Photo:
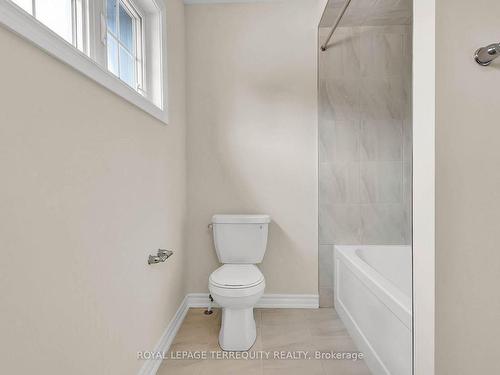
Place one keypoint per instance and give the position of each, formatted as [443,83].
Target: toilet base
[238,331]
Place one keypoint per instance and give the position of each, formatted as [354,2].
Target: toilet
[240,242]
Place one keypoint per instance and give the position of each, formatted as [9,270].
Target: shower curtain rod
[324,46]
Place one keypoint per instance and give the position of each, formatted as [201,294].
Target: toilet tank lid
[241,219]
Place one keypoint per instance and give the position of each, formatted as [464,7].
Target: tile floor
[308,330]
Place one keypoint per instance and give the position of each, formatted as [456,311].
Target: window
[123,37]
[124,42]
[61,16]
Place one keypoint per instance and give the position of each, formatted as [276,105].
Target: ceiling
[368,13]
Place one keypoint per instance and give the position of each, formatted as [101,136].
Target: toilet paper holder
[161,256]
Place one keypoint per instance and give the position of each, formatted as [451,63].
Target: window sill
[23,24]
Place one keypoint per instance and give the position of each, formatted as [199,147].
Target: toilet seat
[236,276]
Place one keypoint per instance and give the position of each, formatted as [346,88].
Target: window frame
[16,19]
[76,26]
[138,52]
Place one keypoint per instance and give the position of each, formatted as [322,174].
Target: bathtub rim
[397,301]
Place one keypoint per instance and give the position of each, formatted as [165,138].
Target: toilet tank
[240,238]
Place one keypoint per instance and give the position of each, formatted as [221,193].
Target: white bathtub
[373,299]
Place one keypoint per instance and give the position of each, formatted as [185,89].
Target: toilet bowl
[240,242]
[236,288]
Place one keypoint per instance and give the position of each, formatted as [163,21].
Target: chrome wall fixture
[485,55]
[324,46]
[161,256]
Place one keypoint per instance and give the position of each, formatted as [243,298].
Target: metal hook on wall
[485,55]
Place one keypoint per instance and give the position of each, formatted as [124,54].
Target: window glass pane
[111,15]
[112,54]
[27,5]
[127,68]
[126,29]
[56,14]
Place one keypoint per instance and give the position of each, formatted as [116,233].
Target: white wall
[467,190]
[90,186]
[252,133]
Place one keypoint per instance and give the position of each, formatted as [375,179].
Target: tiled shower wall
[364,142]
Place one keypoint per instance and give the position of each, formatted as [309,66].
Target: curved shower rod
[324,46]
[485,55]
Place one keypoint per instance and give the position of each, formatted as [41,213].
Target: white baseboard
[289,301]
[268,301]
[151,366]
[199,300]
[283,301]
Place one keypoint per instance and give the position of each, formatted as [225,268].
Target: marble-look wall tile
[382,52]
[382,99]
[339,182]
[369,12]
[407,225]
[365,135]
[365,141]
[407,181]
[407,141]
[346,146]
[326,112]
[326,266]
[339,224]
[407,198]
[326,297]
[339,141]
[406,101]
[326,223]
[343,98]
[383,221]
[381,140]
[326,140]
[381,182]
[343,57]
